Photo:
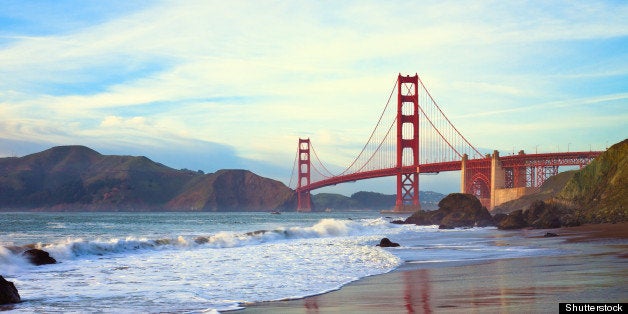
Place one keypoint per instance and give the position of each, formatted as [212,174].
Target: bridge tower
[303,197]
[407,143]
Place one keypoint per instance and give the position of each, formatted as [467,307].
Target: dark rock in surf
[385,242]
[550,235]
[201,240]
[8,292]
[39,257]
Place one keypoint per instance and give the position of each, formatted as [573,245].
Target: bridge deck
[521,160]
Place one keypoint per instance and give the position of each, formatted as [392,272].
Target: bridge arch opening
[407,131]
[480,187]
[407,108]
[408,156]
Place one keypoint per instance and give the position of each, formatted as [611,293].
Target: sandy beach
[592,269]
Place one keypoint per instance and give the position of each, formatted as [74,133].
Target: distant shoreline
[586,273]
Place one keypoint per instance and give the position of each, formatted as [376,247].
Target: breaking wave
[73,248]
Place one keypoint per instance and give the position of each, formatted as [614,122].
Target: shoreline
[593,269]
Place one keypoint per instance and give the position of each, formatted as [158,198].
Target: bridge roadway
[519,160]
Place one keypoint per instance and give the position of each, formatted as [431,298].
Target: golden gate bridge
[415,137]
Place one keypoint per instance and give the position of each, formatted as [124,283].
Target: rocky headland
[77,178]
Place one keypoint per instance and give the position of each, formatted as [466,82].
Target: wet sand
[594,268]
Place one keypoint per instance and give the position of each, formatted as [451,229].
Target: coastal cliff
[599,192]
[77,178]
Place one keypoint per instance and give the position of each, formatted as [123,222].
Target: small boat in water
[275,213]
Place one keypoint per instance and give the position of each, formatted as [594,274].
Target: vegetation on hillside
[599,192]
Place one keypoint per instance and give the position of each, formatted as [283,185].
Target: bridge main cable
[372,134]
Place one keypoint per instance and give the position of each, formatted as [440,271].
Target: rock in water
[454,211]
[385,242]
[8,292]
[39,257]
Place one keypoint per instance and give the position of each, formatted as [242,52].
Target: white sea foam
[10,262]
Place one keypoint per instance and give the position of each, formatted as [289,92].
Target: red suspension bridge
[416,137]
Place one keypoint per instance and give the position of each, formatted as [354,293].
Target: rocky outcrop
[454,211]
[8,292]
[39,257]
[385,242]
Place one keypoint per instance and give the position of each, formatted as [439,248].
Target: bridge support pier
[497,177]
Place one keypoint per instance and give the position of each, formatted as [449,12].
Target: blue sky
[233,84]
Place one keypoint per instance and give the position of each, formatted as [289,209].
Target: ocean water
[215,262]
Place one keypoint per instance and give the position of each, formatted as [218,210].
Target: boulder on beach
[8,292]
[39,257]
[385,242]
[540,215]
[454,211]
[514,220]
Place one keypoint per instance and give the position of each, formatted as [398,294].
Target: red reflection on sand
[311,305]
[420,294]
